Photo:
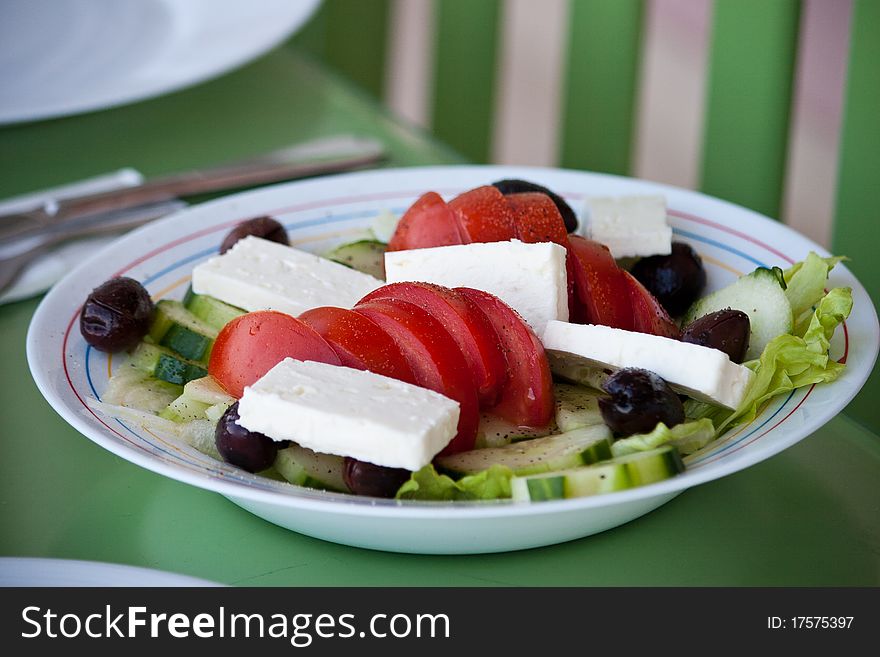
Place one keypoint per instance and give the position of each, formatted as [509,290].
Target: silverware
[16,254]
[321,156]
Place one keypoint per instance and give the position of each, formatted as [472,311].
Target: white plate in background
[38,572]
[62,57]
[322,212]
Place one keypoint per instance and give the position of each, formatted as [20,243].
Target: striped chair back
[774,105]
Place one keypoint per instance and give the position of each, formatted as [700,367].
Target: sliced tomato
[527,399]
[484,215]
[537,219]
[252,344]
[468,326]
[434,357]
[648,315]
[602,291]
[428,222]
[359,342]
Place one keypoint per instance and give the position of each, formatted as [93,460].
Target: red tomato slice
[603,293]
[648,315]
[468,326]
[359,342]
[527,399]
[537,219]
[484,215]
[251,345]
[435,358]
[428,222]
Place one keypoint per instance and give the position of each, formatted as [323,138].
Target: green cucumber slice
[207,390]
[165,365]
[576,407]
[303,467]
[494,431]
[564,450]
[616,474]
[383,225]
[185,409]
[178,329]
[135,388]
[575,370]
[367,256]
[761,296]
[213,312]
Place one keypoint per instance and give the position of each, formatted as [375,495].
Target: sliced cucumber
[216,411]
[135,388]
[178,329]
[576,407]
[604,477]
[213,312]
[207,390]
[201,398]
[367,256]
[574,369]
[165,365]
[564,450]
[383,225]
[761,296]
[199,434]
[185,409]
[496,432]
[303,467]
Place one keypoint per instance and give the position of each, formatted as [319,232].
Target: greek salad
[491,346]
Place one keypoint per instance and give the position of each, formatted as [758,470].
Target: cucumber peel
[621,473]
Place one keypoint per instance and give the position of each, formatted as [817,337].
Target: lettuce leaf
[787,362]
[427,484]
[688,437]
[805,282]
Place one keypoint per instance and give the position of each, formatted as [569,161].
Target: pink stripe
[747,238]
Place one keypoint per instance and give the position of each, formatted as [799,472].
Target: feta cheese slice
[629,225]
[701,372]
[530,278]
[258,274]
[348,412]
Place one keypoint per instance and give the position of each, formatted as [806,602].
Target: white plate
[69,56]
[322,212]
[32,572]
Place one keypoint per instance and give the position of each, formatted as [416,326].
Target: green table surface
[808,516]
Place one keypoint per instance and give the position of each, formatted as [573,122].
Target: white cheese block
[348,412]
[258,274]
[629,225]
[530,278]
[700,372]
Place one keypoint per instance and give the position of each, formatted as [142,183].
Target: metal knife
[321,156]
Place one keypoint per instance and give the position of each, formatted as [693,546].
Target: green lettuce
[427,484]
[688,437]
[787,362]
[805,283]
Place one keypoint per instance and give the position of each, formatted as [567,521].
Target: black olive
[726,330]
[515,186]
[265,227]
[639,400]
[363,478]
[249,450]
[677,279]
[116,315]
